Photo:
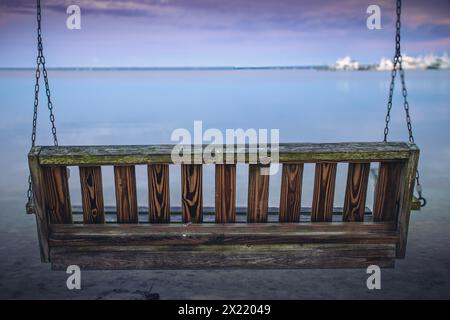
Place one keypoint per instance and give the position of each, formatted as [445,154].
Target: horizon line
[168,67]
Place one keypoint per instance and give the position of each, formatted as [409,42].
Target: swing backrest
[192,236]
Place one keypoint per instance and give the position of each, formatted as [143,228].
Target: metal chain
[40,62]
[398,65]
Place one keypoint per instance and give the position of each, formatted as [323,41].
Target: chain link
[398,67]
[40,63]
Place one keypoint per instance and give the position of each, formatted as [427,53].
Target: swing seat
[192,237]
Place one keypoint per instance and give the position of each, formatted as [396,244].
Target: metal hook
[423,201]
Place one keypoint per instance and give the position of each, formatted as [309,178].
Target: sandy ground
[424,274]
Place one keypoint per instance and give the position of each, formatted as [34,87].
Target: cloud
[256,15]
[213,28]
[103,7]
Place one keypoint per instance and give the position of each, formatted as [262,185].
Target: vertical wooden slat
[158,193]
[92,194]
[323,197]
[225,193]
[42,221]
[191,199]
[126,200]
[405,201]
[258,194]
[291,191]
[57,195]
[387,191]
[356,191]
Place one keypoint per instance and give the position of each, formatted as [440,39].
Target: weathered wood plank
[225,193]
[57,196]
[387,191]
[126,200]
[278,229]
[258,194]
[92,194]
[288,152]
[356,191]
[192,193]
[323,196]
[207,257]
[158,193]
[291,191]
[405,202]
[42,222]
[246,237]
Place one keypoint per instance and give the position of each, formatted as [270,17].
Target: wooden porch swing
[164,237]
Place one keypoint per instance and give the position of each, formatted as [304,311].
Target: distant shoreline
[318,68]
[171,68]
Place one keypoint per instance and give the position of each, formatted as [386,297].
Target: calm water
[145,107]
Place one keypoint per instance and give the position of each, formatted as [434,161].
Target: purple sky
[217,32]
